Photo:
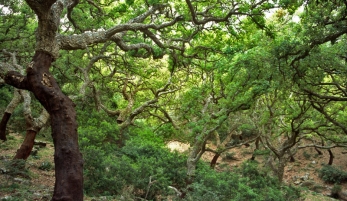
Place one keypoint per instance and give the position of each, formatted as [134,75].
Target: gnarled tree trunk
[67,157]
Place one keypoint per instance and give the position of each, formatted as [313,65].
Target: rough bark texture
[3,125]
[67,157]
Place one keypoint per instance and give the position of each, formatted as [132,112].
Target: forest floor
[302,172]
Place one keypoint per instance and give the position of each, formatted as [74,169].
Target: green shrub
[248,183]
[46,165]
[335,191]
[258,152]
[144,168]
[97,129]
[16,167]
[135,164]
[102,172]
[332,174]
[307,155]
[230,156]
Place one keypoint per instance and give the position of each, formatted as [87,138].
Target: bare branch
[69,11]
[208,18]
[322,147]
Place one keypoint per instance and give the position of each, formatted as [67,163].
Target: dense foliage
[145,169]
[265,74]
[332,174]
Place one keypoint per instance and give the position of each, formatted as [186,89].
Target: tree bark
[3,125]
[25,149]
[331,157]
[8,112]
[214,160]
[318,151]
[33,126]
[280,169]
[67,157]
[256,148]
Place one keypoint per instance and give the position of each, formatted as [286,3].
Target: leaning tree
[141,28]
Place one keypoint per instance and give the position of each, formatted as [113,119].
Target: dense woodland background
[269,77]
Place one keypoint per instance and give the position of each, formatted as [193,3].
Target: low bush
[147,167]
[247,183]
[144,168]
[332,174]
[46,165]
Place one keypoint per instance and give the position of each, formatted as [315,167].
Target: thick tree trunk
[3,125]
[214,160]
[67,157]
[25,149]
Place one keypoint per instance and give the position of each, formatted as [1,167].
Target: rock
[314,162]
[3,170]
[305,177]
[34,152]
[294,178]
[7,197]
[22,181]
[37,194]
[297,182]
[289,168]
[102,198]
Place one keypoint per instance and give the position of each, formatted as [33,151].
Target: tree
[151,28]
[33,126]
[314,61]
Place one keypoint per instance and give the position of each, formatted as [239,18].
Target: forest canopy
[117,80]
